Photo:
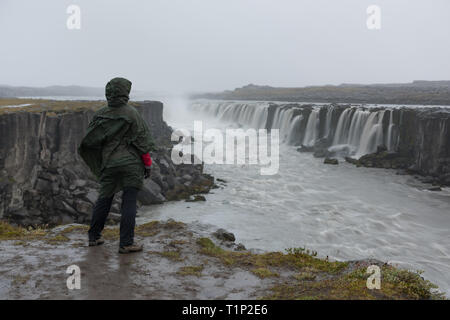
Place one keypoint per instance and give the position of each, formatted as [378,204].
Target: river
[344,212]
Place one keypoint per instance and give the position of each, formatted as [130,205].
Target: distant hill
[10,91]
[416,92]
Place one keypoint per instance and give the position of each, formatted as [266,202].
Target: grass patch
[9,232]
[74,228]
[171,255]
[174,243]
[322,279]
[305,276]
[111,233]
[396,284]
[172,224]
[56,239]
[264,273]
[296,259]
[149,229]
[190,271]
[53,107]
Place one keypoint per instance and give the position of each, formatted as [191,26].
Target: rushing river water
[343,212]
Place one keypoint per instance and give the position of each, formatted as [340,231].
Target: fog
[212,45]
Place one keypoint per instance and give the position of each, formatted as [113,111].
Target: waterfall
[372,135]
[358,130]
[340,134]
[294,129]
[312,128]
[253,115]
[285,121]
[328,121]
[389,143]
[356,127]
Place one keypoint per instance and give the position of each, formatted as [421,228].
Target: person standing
[116,148]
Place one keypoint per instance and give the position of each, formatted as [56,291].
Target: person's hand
[147,172]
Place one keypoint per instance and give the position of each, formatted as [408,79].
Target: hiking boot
[93,243]
[131,248]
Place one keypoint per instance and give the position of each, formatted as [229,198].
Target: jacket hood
[117,92]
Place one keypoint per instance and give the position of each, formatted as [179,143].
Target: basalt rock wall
[44,181]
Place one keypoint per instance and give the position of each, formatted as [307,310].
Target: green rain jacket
[116,139]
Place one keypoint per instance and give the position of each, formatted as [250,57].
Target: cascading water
[288,124]
[341,129]
[357,124]
[329,117]
[281,121]
[372,135]
[253,115]
[390,143]
[358,130]
[294,129]
[312,128]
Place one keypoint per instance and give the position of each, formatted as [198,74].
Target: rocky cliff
[416,92]
[44,181]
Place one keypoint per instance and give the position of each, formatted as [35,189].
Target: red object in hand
[147,160]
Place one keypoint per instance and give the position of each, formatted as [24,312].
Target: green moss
[9,232]
[21,243]
[305,276]
[172,224]
[172,255]
[149,229]
[56,239]
[174,243]
[264,273]
[320,278]
[294,259]
[190,271]
[395,284]
[111,233]
[409,284]
[75,228]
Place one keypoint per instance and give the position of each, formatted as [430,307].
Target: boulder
[83,207]
[331,161]
[150,194]
[306,149]
[43,185]
[66,207]
[351,160]
[224,235]
[91,196]
[79,183]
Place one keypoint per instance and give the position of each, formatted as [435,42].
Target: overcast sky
[212,45]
